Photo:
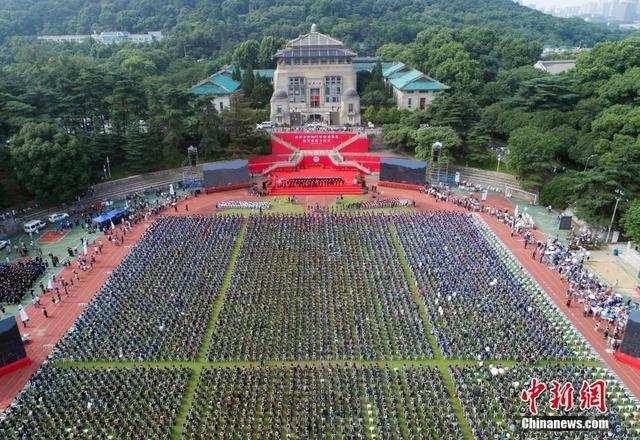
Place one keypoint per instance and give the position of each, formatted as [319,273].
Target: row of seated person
[309,182]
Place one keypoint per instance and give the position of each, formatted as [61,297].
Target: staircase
[284,143]
[292,162]
[350,141]
[486,179]
[338,160]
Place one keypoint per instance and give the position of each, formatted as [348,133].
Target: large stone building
[315,81]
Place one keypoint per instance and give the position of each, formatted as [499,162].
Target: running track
[45,332]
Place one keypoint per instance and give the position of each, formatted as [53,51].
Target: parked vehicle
[264,125]
[55,218]
[34,226]
[4,244]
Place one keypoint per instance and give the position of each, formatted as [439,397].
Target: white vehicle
[371,125]
[4,244]
[34,226]
[264,125]
[54,218]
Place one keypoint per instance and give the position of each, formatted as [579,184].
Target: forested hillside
[206,26]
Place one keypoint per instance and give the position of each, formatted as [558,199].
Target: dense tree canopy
[49,163]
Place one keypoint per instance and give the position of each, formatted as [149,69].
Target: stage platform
[280,179]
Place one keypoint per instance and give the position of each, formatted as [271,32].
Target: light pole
[435,157]
[499,154]
[615,208]
[587,161]
[108,167]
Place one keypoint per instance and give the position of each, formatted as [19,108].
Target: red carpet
[279,179]
[51,237]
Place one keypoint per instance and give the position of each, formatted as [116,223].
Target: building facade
[412,89]
[315,82]
[116,37]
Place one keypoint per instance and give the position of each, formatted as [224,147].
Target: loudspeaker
[631,341]
[11,346]
[565,223]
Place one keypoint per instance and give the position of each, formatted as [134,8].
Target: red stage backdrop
[318,140]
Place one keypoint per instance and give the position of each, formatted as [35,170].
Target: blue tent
[114,216]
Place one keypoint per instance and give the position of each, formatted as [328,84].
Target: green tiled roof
[217,84]
[368,65]
[265,73]
[392,69]
[414,80]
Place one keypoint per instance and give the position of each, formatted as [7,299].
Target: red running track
[556,289]
[45,332]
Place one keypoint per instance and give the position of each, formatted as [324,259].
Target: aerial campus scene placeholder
[243,225]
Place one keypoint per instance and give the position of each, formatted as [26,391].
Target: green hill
[207,26]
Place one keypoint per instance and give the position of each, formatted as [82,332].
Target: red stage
[314,181]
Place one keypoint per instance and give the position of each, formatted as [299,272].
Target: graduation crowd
[491,402]
[319,286]
[17,277]
[327,402]
[72,403]
[156,304]
[478,306]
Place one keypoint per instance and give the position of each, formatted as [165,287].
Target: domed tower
[350,108]
[280,107]
[312,77]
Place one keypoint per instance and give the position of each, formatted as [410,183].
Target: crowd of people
[608,308]
[321,286]
[309,182]
[599,301]
[479,309]
[17,278]
[322,403]
[156,304]
[243,204]
[71,403]
[381,203]
[318,287]
[490,398]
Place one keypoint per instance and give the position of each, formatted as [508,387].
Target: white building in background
[555,67]
[315,81]
[116,37]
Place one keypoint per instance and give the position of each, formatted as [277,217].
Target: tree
[240,121]
[236,73]
[532,151]
[246,54]
[548,92]
[425,137]
[261,93]
[457,110]
[248,81]
[269,45]
[398,137]
[211,131]
[49,163]
[631,221]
